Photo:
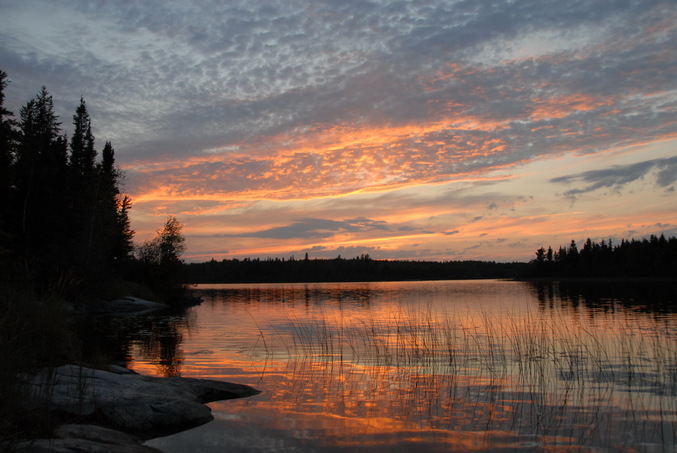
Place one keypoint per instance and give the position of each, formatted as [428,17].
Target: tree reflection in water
[154,338]
[444,366]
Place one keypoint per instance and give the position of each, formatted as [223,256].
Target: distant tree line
[652,257]
[339,269]
[64,221]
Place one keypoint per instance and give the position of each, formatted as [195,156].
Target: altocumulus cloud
[217,108]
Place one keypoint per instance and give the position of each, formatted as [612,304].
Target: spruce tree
[123,245]
[85,187]
[83,153]
[7,142]
[41,200]
[112,220]
[7,145]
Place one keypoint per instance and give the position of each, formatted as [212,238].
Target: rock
[86,438]
[134,304]
[119,369]
[127,306]
[78,446]
[95,434]
[143,405]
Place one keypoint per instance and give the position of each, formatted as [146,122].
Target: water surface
[439,366]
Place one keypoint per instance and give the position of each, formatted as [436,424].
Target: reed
[535,371]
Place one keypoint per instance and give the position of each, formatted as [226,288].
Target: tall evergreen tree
[83,153]
[41,200]
[7,142]
[86,192]
[123,245]
[7,145]
[112,225]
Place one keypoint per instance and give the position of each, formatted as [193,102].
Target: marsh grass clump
[543,366]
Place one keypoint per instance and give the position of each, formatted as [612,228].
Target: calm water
[423,366]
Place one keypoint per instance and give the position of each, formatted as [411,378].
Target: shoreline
[117,410]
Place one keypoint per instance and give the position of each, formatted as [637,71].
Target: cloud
[340,109]
[617,176]
[179,79]
[311,228]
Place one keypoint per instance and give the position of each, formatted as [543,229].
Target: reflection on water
[155,338]
[443,366]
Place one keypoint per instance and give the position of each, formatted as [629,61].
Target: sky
[426,130]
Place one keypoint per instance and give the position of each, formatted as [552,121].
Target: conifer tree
[7,145]
[83,153]
[123,245]
[40,155]
[113,229]
[41,201]
[7,142]
[91,194]
[63,219]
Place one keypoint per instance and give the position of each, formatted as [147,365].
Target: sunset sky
[430,129]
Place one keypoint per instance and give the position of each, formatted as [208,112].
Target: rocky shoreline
[116,410]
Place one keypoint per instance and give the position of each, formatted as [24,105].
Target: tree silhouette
[64,224]
[160,259]
[8,135]
[83,153]
[652,257]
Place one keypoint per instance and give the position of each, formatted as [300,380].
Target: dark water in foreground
[424,366]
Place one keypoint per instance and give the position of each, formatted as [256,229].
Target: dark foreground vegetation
[65,236]
[360,269]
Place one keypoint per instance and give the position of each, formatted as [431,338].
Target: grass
[33,335]
[588,379]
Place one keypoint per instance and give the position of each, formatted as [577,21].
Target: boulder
[86,438]
[143,405]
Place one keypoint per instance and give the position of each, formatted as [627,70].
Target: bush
[32,335]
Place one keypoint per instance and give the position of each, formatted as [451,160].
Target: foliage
[65,234]
[64,222]
[160,261]
[652,257]
[32,334]
[339,269]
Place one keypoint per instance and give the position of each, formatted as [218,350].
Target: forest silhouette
[359,269]
[646,258]
[655,257]
[64,220]
[65,229]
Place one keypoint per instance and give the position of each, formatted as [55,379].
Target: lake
[482,365]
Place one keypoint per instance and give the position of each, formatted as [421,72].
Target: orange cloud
[326,161]
[562,106]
